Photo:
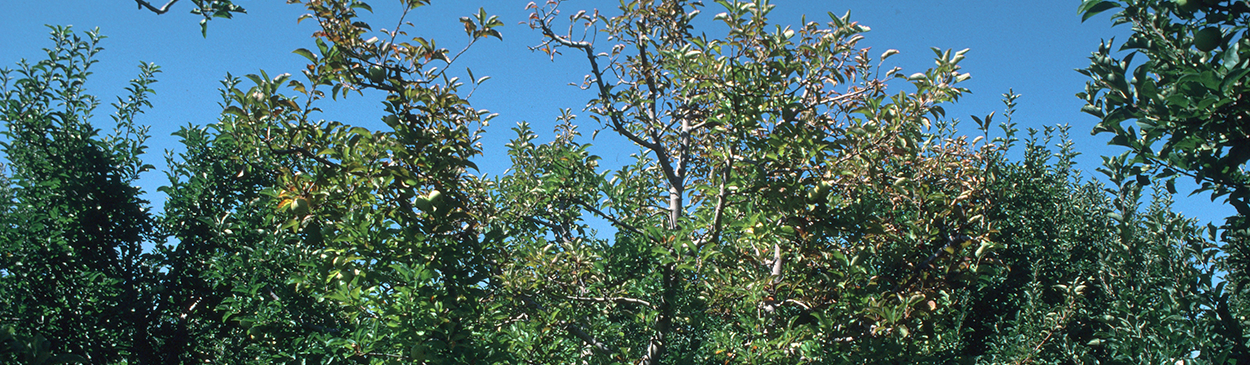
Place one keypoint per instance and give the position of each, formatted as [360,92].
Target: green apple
[1207,39]
[300,207]
[423,203]
[1188,6]
[377,74]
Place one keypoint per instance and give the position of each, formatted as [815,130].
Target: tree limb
[674,176]
[577,330]
[306,153]
[612,300]
[615,222]
[719,212]
[776,270]
[158,11]
[617,124]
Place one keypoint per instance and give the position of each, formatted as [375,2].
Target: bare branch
[612,300]
[615,115]
[306,153]
[610,218]
[158,11]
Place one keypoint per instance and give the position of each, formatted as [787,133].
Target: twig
[306,153]
[158,11]
[615,222]
[612,300]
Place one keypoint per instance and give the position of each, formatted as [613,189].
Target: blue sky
[1032,47]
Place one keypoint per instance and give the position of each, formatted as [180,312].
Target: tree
[384,220]
[783,206]
[226,289]
[1188,100]
[73,269]
[1084,273]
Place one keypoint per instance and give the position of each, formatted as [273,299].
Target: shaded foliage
[73,268]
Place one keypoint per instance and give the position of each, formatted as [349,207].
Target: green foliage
[1084,274]
[788,201]
[380,225]
[34,350]
[73,271]
[783,208]
[227,291]
[1187,98]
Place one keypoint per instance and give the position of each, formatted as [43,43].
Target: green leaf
[1232,55]
[307,54]
[1090,8]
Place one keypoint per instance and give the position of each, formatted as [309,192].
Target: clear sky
[1032,47]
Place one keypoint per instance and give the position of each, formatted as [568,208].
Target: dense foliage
[1187,98]
[1187,102]
[787,200]
[73,223]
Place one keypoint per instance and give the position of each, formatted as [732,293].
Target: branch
[306,153]
[798,303]
[613,300]
[843,97]
[954,243]
[1060,325]
[776,271]
[586,337]
[573,328]
[378,354]
[561,232]
[158,11]
[617,124]
[719,212]
[699,125]
[666,163]
[615,222]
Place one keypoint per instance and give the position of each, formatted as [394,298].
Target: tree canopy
[785,198]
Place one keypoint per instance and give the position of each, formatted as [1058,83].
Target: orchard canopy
[772,193]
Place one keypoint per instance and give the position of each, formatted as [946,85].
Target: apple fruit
[1207,39]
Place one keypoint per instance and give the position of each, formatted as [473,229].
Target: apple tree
[72,266]
[1183,111]
[784,205]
